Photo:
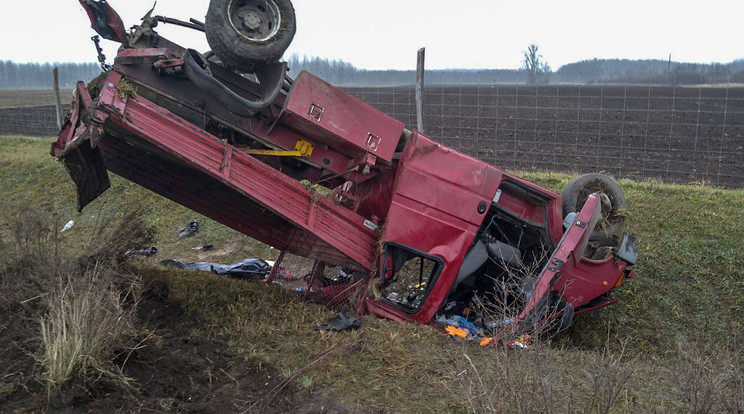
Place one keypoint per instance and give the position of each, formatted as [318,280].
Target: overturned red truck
[310,170]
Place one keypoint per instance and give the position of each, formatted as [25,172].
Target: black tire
[576,192]
[262,31]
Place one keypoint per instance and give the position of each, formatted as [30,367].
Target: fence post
[420,90]
[55,73]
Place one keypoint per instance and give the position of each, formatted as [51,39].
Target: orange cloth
[485,341]
[456,331]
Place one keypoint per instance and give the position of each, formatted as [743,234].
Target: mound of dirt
[180,369]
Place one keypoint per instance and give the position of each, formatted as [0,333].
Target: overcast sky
[385,34]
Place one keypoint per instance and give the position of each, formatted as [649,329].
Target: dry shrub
[699,385]
[33,234]
[69,307]
[32,263]
[733,381]
[516,381]
[540,378]
[87,321]
[116,232]
[608,374]
[711,381]
[36,257]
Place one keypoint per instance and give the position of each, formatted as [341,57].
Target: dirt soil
[20,98]
[180,369]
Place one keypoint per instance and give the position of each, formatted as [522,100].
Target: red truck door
[555,274]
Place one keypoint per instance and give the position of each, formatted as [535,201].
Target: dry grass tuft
[70,308]
[117,232]
[87,321]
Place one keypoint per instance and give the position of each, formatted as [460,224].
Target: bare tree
[534,65]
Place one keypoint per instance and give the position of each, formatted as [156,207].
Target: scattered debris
[523,341]
[142,251]
[67,226]
[282,272]
[340,323]
[189,230]
[486,333]
[459,332]
[248,268]
[205,248]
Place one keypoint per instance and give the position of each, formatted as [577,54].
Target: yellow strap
[302,149]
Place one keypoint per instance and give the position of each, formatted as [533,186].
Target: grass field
[674,342]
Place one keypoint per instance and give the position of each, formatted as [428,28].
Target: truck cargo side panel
[176,141]
[210,198]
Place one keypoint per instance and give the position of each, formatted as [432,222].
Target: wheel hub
[256,20]
[251,20]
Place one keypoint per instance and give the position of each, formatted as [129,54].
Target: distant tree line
[595,71]
[39,75]
[339,72]
[649,71]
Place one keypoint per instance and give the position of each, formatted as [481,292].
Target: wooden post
[420,90]
[55,73]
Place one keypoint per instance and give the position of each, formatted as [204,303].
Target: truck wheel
[248,33]
[576,192]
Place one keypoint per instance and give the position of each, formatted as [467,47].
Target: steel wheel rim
[255,20]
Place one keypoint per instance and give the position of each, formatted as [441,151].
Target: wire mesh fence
[674,133]
[36,121]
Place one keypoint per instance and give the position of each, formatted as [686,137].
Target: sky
[385,34]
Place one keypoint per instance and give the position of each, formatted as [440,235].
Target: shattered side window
[407,276]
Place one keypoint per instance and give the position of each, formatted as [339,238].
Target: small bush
[510,378]
[69,305]
[86,322]
[31,264]
[711,381]
[117,232]
[505,380]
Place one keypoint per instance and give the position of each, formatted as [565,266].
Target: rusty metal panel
[331,230]
[331,116]
[128,56]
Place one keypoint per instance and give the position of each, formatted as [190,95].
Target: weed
[108,243]
[86,321]
[711,380]
[608,375]
[65,308]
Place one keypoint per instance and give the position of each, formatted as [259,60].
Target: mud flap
[85,166]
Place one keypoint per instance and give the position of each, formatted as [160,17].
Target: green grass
[677,326]
[688,274]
